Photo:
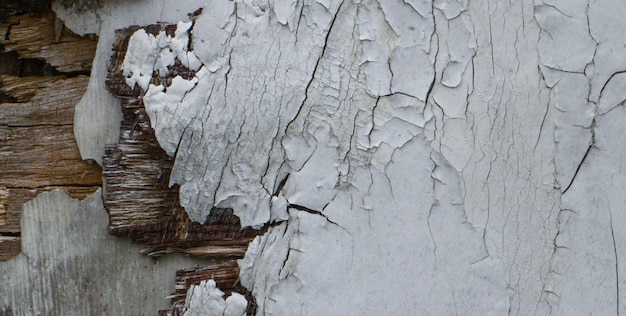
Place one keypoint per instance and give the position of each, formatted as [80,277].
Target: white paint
[162,105]
[140,59]
[98,115]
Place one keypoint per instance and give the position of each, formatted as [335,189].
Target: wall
[417,157]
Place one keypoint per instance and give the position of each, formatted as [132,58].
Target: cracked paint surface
[589,159]
[408,157]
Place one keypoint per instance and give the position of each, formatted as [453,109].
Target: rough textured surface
[407,157]
[586,270]
[83,273]
[38,154]
[140,202]
[13,7]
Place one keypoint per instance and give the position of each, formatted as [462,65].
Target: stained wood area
[136,171]
[39,85]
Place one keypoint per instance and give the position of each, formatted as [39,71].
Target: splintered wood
[142,206]
[37,148]
[136,171]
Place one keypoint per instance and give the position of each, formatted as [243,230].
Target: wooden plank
[142,206]
[37,146]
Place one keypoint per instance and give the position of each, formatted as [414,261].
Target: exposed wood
[38,152]
[116,83]
[38,147]
[37,37]
[22,89]
[136,171]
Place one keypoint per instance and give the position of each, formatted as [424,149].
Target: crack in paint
[616,261]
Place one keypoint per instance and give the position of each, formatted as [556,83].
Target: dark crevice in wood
[38,40]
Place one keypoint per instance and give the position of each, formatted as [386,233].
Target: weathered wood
[142,206]
[38,147]
[38,151]
[11,64]
[38,90]
[23,89]
[136,170]
[116,82]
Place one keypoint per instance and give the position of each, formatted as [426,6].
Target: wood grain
[37,37]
